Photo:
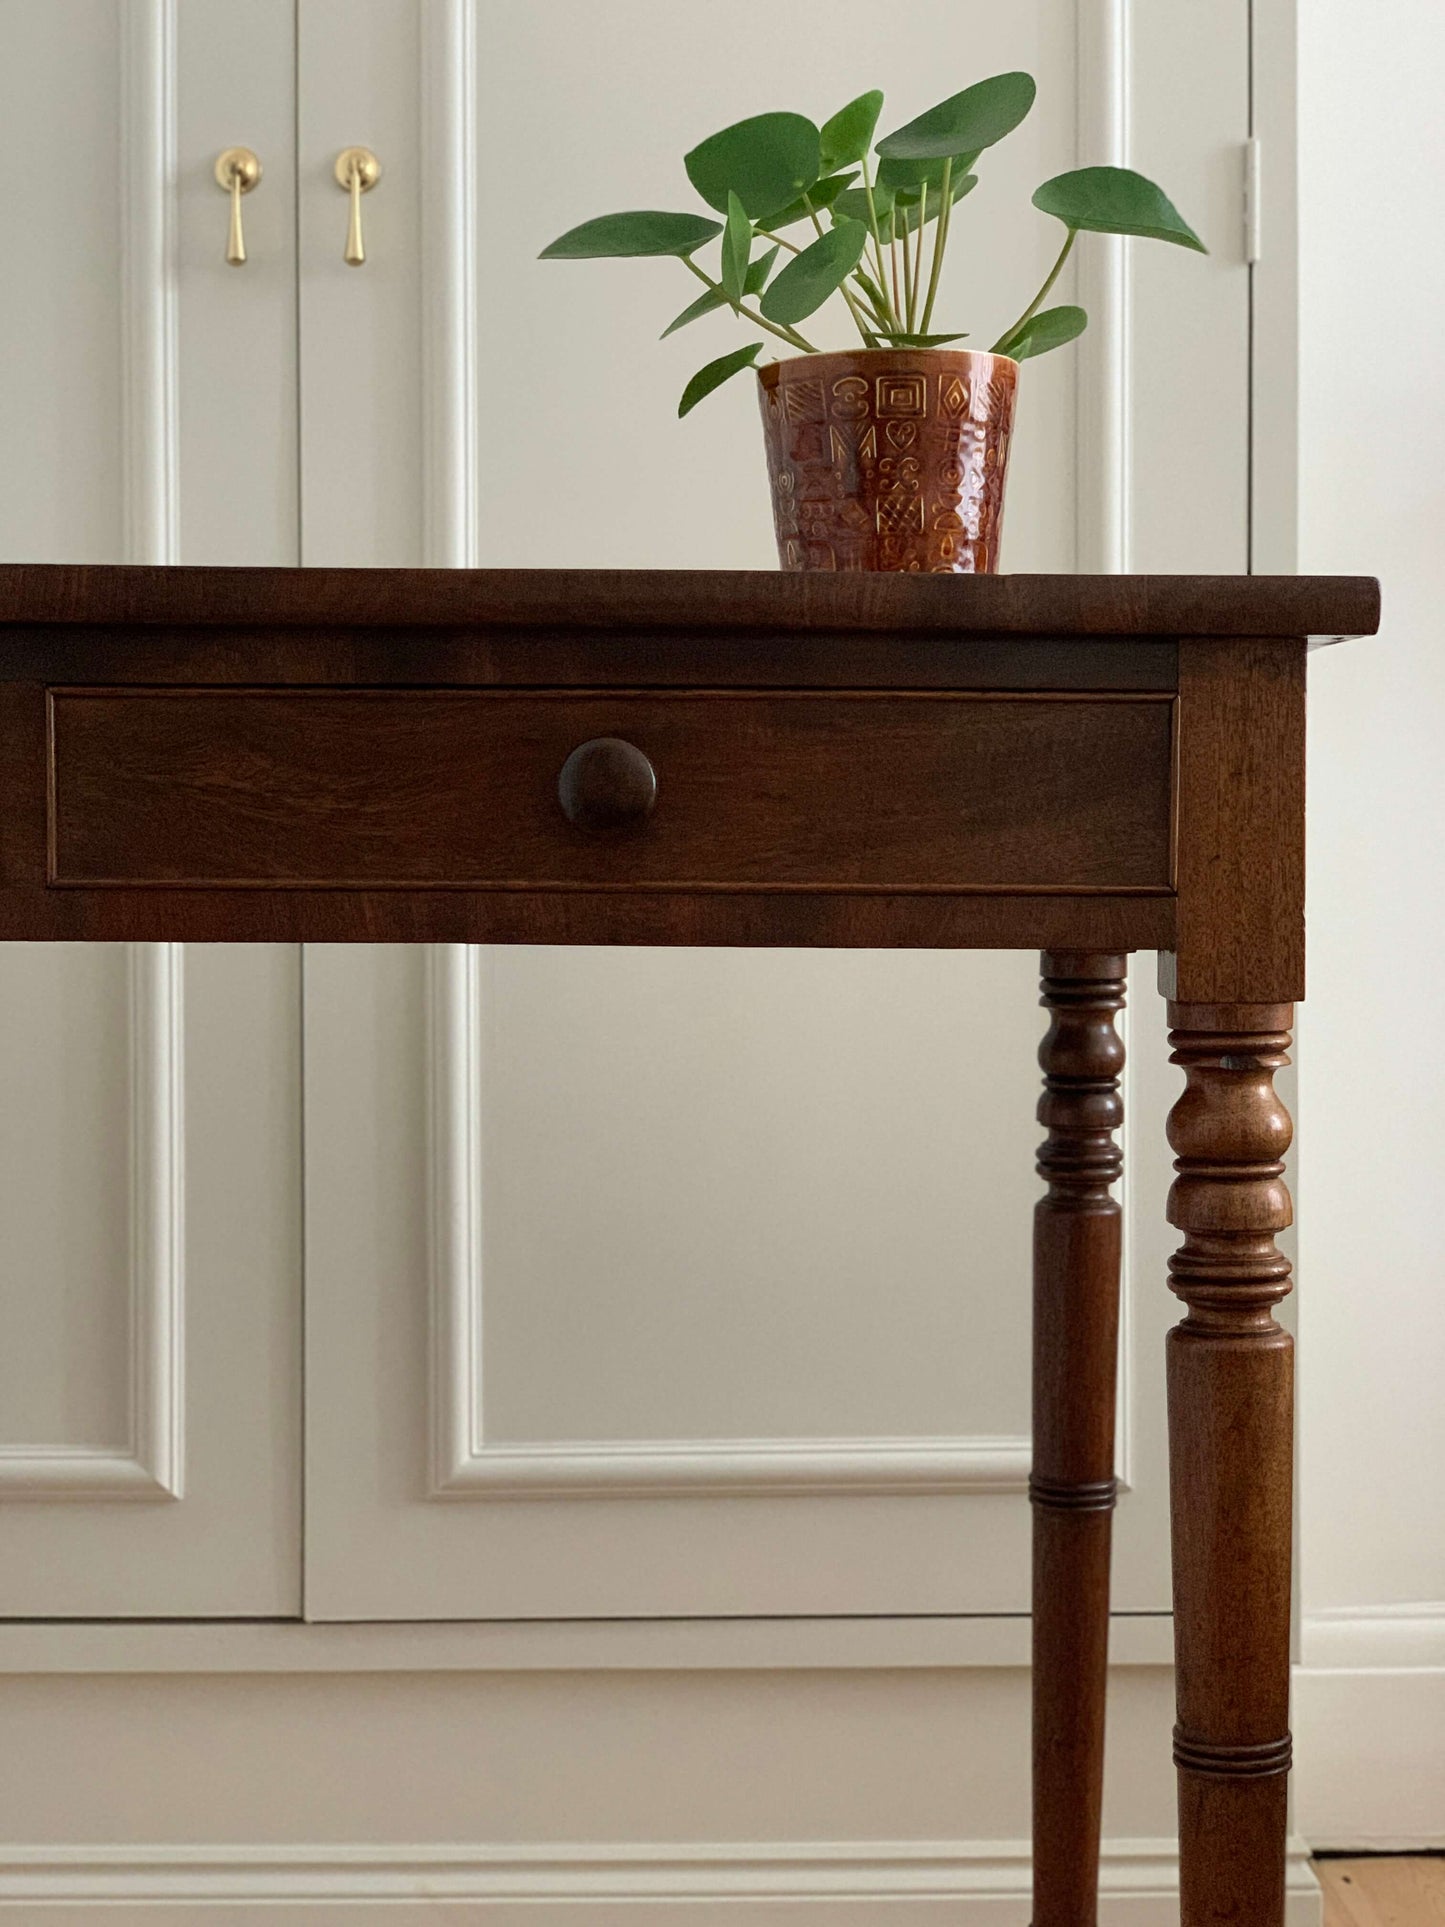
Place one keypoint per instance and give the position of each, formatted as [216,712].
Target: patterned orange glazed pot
[889,458]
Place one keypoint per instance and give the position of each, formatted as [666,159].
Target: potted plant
[893,454]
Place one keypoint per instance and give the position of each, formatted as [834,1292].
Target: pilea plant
[880,232]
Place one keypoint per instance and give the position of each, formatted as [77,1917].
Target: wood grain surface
[1241,932]
[693,601]
[1077,1233]
[459,789]
[1384,1890]
[1230,1368]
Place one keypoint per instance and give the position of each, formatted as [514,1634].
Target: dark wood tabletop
[1321,608]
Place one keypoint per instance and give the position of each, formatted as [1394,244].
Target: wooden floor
[1390,1890]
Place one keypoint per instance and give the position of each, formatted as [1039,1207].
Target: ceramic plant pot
[889,458]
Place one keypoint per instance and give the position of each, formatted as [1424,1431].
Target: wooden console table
[1088,765]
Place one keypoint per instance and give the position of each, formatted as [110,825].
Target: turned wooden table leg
[1075,1347]
[1230,1442]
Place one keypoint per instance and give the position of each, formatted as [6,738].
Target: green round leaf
[767,162]
[852,205]
[737,247]
[847,135]
[810,277]
[905,201]
[632,234]
[1050,328]
[909,208]
[907,177]
[1115,200]
[758,272]
[711,299]
[965,123]
[820,195]
[921,341]
[708,302]
[715,374]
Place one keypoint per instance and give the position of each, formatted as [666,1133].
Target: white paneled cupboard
[525,1285]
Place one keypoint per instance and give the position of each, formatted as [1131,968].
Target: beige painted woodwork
[687,1298]
[683,1282]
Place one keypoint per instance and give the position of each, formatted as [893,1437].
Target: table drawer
[377,788]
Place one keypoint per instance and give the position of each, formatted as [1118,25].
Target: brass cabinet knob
[357,172]
[607,787]
[237,172]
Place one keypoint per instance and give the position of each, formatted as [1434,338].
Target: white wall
[1370,1700]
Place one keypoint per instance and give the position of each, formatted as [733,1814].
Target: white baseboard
[580,1645]
[1369,1638]
[1369,1721]
[584,1886]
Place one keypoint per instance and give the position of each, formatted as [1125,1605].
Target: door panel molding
[150,414]
[1102,450]
[465,1465]
[1103,481]
[128,448]
[462,1463]
[149,1465]
[451,398]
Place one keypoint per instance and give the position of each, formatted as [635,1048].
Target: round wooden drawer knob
[607,787]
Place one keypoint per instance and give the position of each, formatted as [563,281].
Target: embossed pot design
[889,458]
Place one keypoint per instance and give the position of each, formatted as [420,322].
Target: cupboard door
[149,1127]
[667,1282]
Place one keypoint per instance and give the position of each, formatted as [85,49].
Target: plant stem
[917,301]
[893,264]
[940,241]
[790,335]
[877,240]
[870,340]
[918,240]
[1000,347]
[907,278]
